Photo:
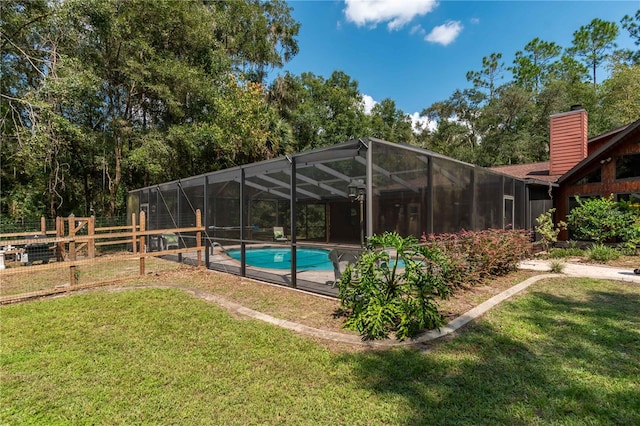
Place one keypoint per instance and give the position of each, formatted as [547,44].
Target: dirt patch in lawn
[468,298]
[308,309]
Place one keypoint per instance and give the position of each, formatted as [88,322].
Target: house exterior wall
[608,185]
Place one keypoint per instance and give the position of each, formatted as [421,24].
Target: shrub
[600,219]
[563,253]
[380,297]
[631,238]
[476,255]
[602,253]
[547,230]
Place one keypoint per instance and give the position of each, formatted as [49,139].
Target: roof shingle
[537,171]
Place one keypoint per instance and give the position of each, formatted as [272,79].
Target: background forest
[102,96]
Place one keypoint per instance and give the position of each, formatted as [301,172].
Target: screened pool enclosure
[329,198]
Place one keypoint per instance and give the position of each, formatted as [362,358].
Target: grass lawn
[58,275]
[565,352]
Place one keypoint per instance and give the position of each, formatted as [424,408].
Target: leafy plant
[631,238]
[393,287]
[602,253]
[599,219]
[547,229]
[563,253]
[557,266]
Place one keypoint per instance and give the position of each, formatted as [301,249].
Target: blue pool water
[308,259]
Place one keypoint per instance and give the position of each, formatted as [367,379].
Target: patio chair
[341,258]
[169,242]
[278,234]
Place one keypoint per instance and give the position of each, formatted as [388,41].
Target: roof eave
[631,128]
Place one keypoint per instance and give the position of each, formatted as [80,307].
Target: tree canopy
[95,101]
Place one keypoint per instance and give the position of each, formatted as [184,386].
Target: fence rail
[73,244]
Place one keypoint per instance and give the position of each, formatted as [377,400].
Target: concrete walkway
[585,270]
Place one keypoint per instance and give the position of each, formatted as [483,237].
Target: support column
[199,237]
[294,263]
[243,246]
[369,191]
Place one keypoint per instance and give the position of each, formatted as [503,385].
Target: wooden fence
[73,243]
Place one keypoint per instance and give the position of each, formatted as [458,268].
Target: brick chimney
[568,140]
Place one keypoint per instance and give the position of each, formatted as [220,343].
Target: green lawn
[567,352]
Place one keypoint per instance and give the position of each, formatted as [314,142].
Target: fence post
[199,237]
[43,225]
[142,247]
[72,275]
[91,230]
[72,234]
[72,249]
[134,237]
[60,248]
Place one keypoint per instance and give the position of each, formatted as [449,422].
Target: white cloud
[420,123]
[417,29]
[396,13]
[368,103]
[445,33]
[475,20]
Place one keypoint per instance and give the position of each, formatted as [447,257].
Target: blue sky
[418,52]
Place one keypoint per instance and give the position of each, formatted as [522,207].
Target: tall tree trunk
[114,183]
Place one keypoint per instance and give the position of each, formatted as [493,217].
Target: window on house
[628,166]
[594,176]
[634,196]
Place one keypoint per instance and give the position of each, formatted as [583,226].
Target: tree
[532,68]
[390,123]
[256,35]
[621,94]
[505,127]
[457,132]
[593,43]
[101,97]
[321,111]
[487,78]
[632,25]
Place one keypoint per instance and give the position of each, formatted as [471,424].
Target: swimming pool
[308,259]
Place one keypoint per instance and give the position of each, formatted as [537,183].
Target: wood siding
[609,184]
[568,141]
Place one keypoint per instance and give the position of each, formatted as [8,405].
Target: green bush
[563,253]
[381,295]
[547,229]
[631,239]
[600,219]
[602,253]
